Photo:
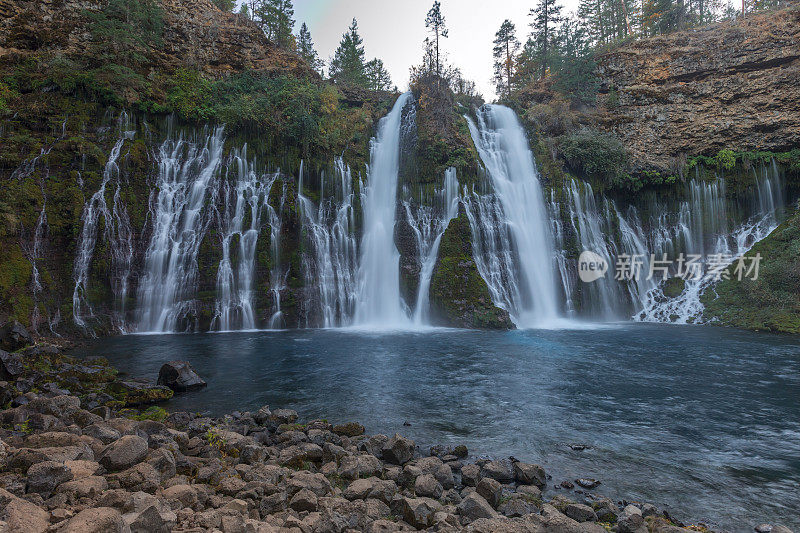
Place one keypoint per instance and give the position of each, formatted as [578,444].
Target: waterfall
[331,263]
[244,199]
[277,277]
[187,171]
[527,276]
[117,232]
[428,229]
[378,302]
[702,229]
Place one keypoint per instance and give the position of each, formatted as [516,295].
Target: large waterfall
[187,172]
[518,264]
[378,301]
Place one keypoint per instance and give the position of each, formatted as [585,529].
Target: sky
[395,30]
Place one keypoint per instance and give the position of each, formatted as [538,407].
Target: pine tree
[347,65]
[505,49]
[225,5]
[378,78]
[305,47]
[275,18]
[436,25]
[546,17]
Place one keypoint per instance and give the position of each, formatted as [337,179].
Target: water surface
[702,421]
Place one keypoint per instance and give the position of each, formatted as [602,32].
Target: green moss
[673,287]
[771,302]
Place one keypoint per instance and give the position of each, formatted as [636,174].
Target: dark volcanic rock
[180,376]
[14,336]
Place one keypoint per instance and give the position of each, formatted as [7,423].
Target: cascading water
[118,234]
[277,275]
[525,283]
[187,174]
[332,263]
[428,229]
[245,199]
[378,303]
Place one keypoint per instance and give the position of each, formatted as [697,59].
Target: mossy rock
[673,287]
[134,393]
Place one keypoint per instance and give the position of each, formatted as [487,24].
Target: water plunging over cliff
[514,246]
[187,172]
[378,302]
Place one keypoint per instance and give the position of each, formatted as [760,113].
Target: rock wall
[733,85]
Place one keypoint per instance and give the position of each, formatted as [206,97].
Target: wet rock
[398,450]
[530,474]
[587,483]
[580,512]
[350,429]
[569,485]
[14,336]
[124,453]
[630,519]
[499,470]
[43,478]
[460,451]
[179,376]
[763,528]
[491,490]
[475,506]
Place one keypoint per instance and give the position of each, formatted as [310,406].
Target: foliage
[305,47]
[546,17]
[600,157]
[225,5]
[275,18]
[726,159]
[435,23]
[7,93]
[378,78]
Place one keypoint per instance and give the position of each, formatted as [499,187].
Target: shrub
[726,159]
[600,157]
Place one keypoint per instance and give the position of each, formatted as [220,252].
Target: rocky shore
[82,450]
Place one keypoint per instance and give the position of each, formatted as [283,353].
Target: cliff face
[196,35]
[733,85]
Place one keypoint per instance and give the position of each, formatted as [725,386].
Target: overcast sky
[394,31]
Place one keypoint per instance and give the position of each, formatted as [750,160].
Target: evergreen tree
[378,78]
[225,5]
[275,18]
[505,49]
[546,17]
[436,25]
[244,11]
[347,65]
[305,47]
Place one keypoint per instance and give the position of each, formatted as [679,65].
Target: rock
[98,520]
[140,477]
[10,365]
[470,475]
[149,521]
[630,519]
[304,500]
[124,453]
[43,478]
[184,495]
[283,416]
[350,429]
[499,470]
[102,432]
[426,485]
[353,467]
[21,516]
[580,512]
[180,377]
[85,487]
[398,450]
[648,509]
[606,510]
[473,507]
[587,483]
[491,490]
[419,512]
[135,393]
[518,506]
[14,336]
[763,528]
[530,474]
[371,487]
[460,451]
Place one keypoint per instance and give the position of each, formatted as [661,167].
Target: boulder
[44,477]
[149,521]
[22,516]
[419,512]
[124,453]
[530,474]
[475,506]
[630,519]
[10,365]
[427,485]
[180,377]
[470,475]
[98,520]
[491,490]
[135,393]
[14,336]
[350,429]
[398,450]
[304,500]
[499,470]
[580,512]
